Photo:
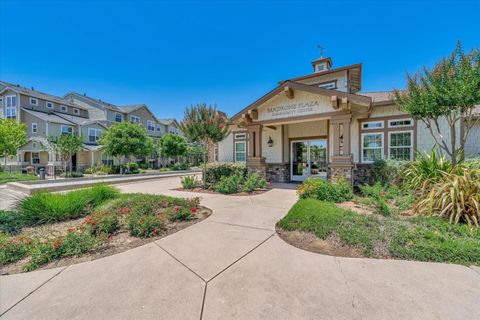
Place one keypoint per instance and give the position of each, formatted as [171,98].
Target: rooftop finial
[321,50]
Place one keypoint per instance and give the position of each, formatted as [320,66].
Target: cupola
[322,64]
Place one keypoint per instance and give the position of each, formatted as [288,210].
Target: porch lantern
[270,142]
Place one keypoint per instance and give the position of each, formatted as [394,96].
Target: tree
[126,139]
[12,136]
[173,145]
[448,92]
[66,145]
[205,125]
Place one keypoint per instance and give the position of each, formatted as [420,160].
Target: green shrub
[379,197]
[10,222]
[13,248]
[324,190]
[143,225]
[215,171]
[179,213]
[229,184]
[73,244]
[252,182]
[73,174]
[180,166]
[44,207]
[131,168]
[144,166]
[102,223]
[388,172]
[89,170]
[190,182]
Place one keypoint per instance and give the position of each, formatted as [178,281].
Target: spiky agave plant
[456,197]
[206,125]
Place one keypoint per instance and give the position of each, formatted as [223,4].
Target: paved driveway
[234,266]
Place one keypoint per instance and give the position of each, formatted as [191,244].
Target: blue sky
[173,54]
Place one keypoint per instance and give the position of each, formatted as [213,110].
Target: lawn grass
[419,238]
[13,177]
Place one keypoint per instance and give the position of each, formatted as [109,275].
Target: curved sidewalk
[234,266]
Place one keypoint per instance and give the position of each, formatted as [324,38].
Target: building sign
[293,109]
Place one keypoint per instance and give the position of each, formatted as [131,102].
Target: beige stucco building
[47,116]
[323,125]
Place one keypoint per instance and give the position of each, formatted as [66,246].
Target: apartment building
[47,116]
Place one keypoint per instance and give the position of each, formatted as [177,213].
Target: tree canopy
[66,145]
[446,93]
[126,139]
[12,136]
[173,145]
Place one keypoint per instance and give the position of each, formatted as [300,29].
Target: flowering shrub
[215,171]
[13,248]
[324,190]
[102,223]
[252,182]
[178,213]
[144,226]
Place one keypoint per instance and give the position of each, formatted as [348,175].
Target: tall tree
[173,145]
[12,136]
[204,124]
[446,93]
[66,146]
[126,139]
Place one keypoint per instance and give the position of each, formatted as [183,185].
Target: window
[328,85]
[118,117]
[400,145]
[33,101]
[172,130]
[11,107]
[372,147]
[49,105]
[35,157]
[321,67]
[239,136]
[67,130]
[76,111]
[372,125]
[159,127]
[399,123]
[150,125]
[94,134]
[240,151]
[134,119]
[63,108]
[34,127]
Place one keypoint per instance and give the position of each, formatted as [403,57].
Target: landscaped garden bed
[51,230]
[6,177]
[226,178]
[425,210]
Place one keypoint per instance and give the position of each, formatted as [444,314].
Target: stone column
[255,161]
[341,164]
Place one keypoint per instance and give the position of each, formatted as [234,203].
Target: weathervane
[321,50]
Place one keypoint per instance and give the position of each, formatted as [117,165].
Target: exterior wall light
[270,142]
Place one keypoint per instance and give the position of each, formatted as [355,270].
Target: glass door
[299,163]
[308,159]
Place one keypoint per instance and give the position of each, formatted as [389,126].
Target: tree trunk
[204,170]
[453,142]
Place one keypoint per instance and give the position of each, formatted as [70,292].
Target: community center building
[323,125]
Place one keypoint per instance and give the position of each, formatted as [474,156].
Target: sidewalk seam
[33,291]
[348,287]
[240,225]
[243,256]
[183,264]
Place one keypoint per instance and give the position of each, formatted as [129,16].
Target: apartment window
[159,127]
[11,107]
[372,147]
[49,105]
[400,145]
[328,85]
[134,119]
[94,134]
[239,136]
[150,125]
[399,123]
[172,130]
[34,127]
[76,111]
[35,157]
[372,125]
[63,108]
[67,130]
[240,151]
[118,117]
[33,101]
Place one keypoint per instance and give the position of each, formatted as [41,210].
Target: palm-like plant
[204,124]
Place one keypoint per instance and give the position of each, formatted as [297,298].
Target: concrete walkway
[234,266]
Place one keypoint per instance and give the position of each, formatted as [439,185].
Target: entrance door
[308,159]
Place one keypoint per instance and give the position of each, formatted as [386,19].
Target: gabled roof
[36,94]
[95,101]
[132,107]
[362,100]
[319,74]
[380,97]
[80,121]
[50,117]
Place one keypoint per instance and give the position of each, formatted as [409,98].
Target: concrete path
[234,266]
[9,198]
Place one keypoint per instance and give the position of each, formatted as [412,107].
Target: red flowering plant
[102,223]
[13,249]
